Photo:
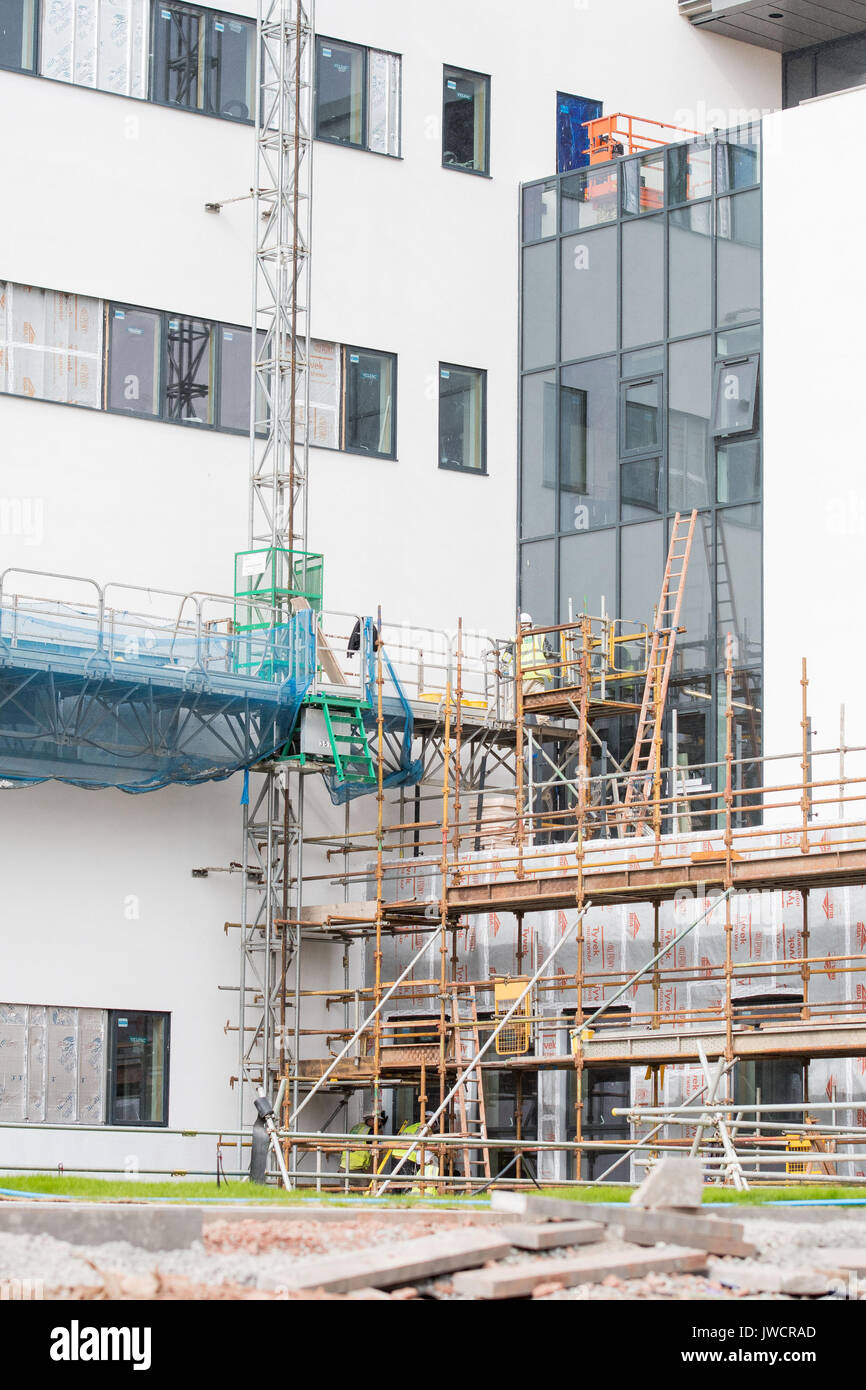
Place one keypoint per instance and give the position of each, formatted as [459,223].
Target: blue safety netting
[397,726]
[139,707]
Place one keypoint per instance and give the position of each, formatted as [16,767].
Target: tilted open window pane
[340,87]
[16,34]
[232,67]
[461,418]
[138,1068]
[736,397]
[465,115]
[369,402]
[133,360]
[188,372]
[642,416]
[178,55]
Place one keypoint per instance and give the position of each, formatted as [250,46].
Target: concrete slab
[630,1262]
[538,1208]
[845,1258]
[766,1278]
[713,1233]
[391,1268]
[673,1182]
[551,1234]
[154,1227]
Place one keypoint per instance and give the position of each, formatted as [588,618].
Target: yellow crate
[515,1037]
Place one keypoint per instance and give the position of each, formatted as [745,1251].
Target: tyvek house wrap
[620,939]
[50,345]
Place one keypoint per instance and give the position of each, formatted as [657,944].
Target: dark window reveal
[461,418]
[138,1068]
[203,61]
[188,379]
[16,34]
[465,121]
[370,379]
[134,360]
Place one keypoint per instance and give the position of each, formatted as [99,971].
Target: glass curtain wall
[640,397]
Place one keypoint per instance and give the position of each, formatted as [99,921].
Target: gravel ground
[250,1258]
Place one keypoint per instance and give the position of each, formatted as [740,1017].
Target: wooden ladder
[470,1096]
[638,793]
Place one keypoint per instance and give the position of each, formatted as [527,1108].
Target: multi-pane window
[466,121]
[358,96]
[640,398]
[353,399]
[17,34]
[171,53]
[203,60]
[462,424]
[138,1053]
[369,402]
[178,368]
[121,357]
[61,1065]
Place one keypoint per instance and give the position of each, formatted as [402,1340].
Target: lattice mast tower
[278,510]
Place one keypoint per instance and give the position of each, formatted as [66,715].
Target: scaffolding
[686,1010]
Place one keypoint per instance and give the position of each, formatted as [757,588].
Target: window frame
[343,447]
[753,428]
[207,17]
[217,328]
[481,372]
[364,146]
[453,71]
[111,1069]
[33,70]
[638,451]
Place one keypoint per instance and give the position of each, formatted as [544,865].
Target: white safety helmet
[526,619]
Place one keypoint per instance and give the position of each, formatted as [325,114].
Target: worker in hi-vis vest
[534,665]
[361,1160]
[413,1164]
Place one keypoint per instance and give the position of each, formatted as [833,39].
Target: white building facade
[113,144]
